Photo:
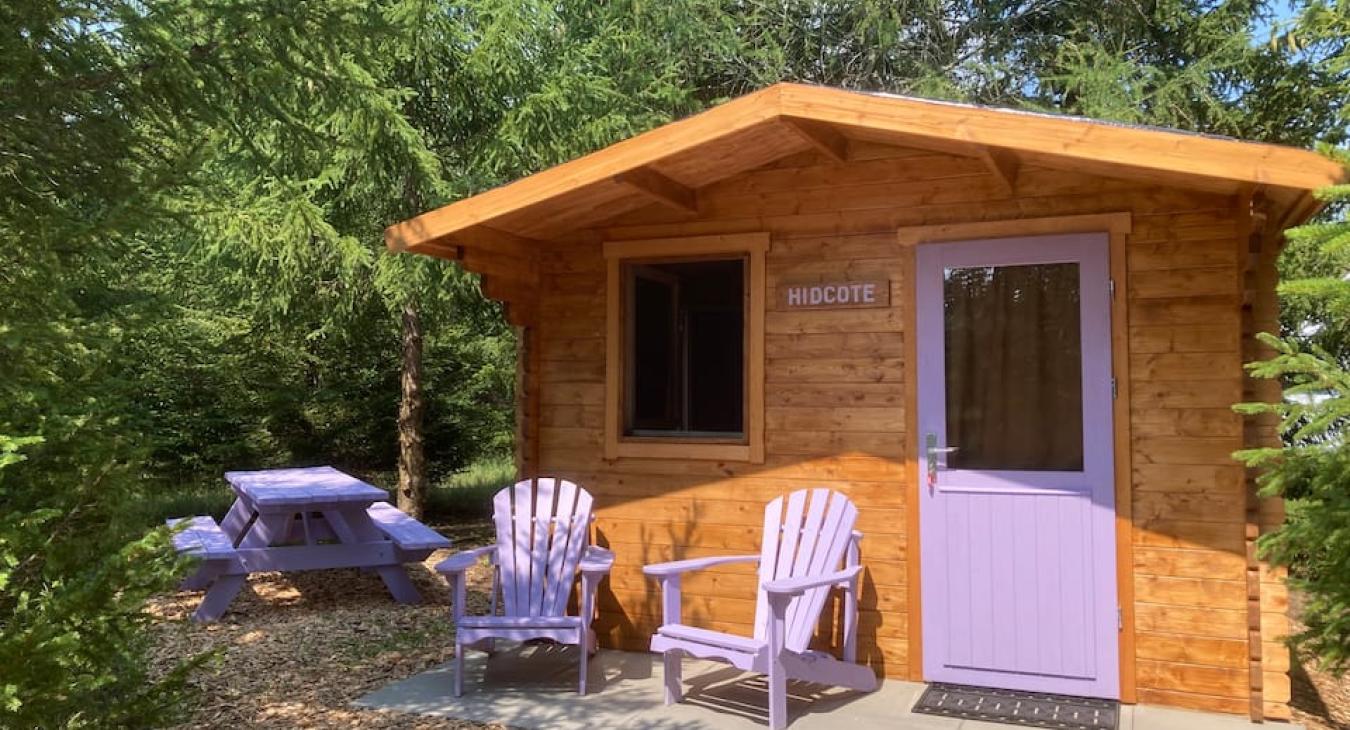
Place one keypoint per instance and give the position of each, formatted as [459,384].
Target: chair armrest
[665,570]
[462,561]
[798,586]
[596,560]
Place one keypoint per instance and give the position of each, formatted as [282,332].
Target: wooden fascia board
[678,136]
[660,188]
[1127,147]
[823,137]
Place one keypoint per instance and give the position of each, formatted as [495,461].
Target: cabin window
[685,348]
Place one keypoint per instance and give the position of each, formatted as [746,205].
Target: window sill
[679,449]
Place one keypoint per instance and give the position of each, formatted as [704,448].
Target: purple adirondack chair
[807,536]
[543,526]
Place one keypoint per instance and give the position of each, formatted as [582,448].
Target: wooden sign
[860,293]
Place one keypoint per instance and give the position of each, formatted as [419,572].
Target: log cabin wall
[835,410]
[1267,595]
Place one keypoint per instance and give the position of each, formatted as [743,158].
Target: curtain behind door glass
[1013,367]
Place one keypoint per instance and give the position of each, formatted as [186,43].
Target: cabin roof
[497,233]
[670,163]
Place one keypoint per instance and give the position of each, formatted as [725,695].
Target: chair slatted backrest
[542,528]
[806,533]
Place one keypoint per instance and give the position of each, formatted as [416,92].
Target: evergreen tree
[192,196]
[1312,470]
[115,117]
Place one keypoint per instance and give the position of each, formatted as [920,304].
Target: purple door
[1017,509]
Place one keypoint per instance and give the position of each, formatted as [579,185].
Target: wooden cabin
[786,291]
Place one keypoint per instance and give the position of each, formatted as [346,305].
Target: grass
[202,497]
[465,494]
[468,493]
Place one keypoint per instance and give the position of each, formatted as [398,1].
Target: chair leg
[459,668]
[777,695]
[778,604]
[851,623]
[674,682]
[584,647]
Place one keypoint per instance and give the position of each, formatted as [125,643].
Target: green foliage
[1312,470]
[468,493]
[1315,298]
[125,366]
[1312,473]
[192,195]
[1194,65]
[74,579]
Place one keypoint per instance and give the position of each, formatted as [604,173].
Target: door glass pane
[1013,367]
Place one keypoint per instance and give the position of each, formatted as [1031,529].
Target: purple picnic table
[312,518]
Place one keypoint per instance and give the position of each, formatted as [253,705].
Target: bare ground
[1321,700]
[296,649]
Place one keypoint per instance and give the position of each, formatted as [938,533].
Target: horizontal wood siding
[835,409]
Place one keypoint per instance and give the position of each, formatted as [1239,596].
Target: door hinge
[1120,619]
[1111,287]
[1114,391]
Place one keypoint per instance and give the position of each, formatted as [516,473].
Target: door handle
[933,452]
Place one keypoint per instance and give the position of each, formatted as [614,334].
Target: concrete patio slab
[534,687]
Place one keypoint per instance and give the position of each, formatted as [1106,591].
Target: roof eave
[1182,155]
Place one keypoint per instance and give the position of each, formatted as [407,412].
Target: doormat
[1013,707]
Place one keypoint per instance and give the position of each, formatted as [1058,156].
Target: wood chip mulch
[1321,700]
[297,648]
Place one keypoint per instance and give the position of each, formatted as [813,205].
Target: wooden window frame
[750,446]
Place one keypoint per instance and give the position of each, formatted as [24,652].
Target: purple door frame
[1019,567]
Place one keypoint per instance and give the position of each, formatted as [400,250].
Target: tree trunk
[412,462]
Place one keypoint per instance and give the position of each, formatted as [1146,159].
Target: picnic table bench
[301,519]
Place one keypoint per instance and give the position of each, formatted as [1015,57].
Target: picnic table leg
[267,530]
[260,532]
[218,597]
[296,529]
[353,526]
[202,576]
[400,586]
[236,521]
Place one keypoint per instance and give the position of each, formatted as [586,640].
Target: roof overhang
[669,164]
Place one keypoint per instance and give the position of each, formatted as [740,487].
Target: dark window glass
[685,359]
